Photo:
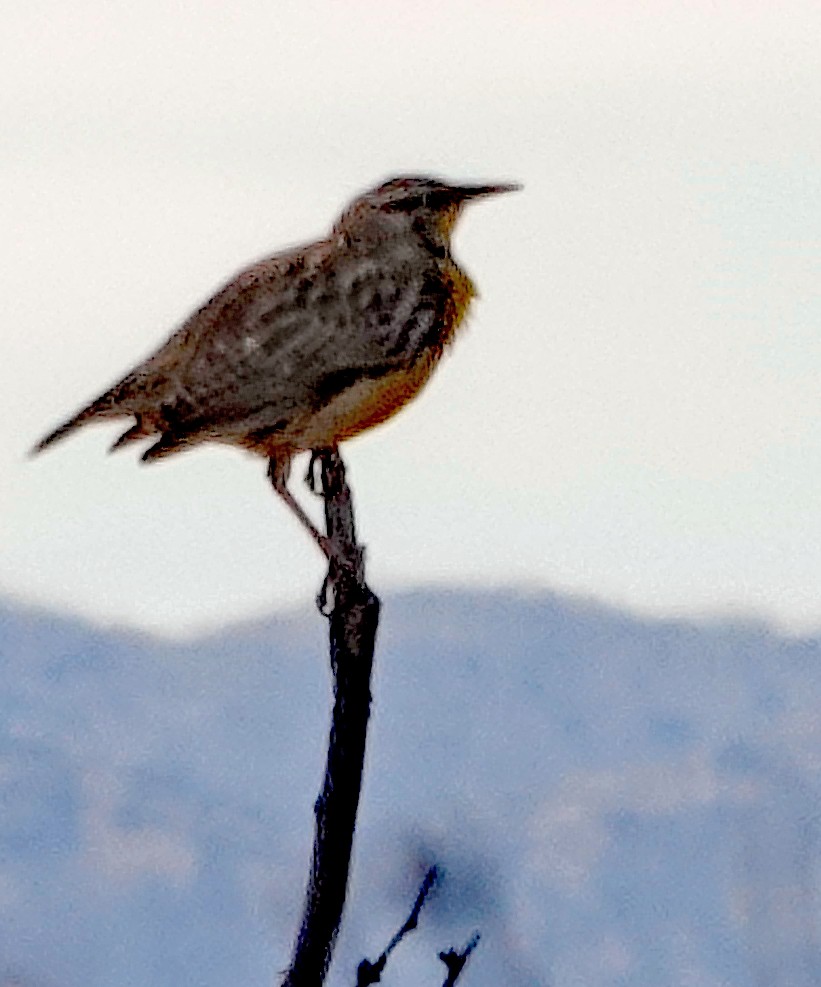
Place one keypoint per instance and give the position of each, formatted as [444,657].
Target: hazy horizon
[631,413]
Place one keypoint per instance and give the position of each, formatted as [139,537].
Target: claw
[322,596]
[310,476]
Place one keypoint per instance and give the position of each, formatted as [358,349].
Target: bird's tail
[103,407]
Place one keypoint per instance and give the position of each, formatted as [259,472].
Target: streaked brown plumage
[311,346]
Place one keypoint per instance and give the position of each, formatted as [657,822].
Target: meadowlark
[311,346]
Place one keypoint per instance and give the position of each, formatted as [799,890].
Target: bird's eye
[410,203]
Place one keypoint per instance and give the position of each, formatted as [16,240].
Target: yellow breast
[462,290]
[370,402]
[365,404]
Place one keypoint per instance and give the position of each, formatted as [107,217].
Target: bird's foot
[313,482]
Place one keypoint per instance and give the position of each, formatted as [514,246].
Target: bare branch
[353,624]
[455,961]
[370,973]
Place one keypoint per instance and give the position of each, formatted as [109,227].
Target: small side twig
[455,961]
[368,972]
[353,623]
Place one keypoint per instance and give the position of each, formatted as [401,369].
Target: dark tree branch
[455,961]
[371,973]
[353,622]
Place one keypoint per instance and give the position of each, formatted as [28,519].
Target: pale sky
[633,410]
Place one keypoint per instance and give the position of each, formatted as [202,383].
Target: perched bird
[311,346]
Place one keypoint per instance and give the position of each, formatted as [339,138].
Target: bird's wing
[286,335]
[280,339]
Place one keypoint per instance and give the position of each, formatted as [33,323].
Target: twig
[353,624]
[371,973]
[455,961]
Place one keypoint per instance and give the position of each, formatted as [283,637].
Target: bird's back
[284,353]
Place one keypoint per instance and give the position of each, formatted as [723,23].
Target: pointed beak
[478,191]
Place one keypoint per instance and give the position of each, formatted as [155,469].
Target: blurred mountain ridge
[614,800]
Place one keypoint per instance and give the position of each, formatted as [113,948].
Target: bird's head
[427,206]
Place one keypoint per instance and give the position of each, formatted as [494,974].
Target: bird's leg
[279,469]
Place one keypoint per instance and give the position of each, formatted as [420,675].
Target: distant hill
[615,801]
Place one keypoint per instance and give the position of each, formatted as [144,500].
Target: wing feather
[282,337]
[278,338]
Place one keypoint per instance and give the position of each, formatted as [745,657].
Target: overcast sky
[633,410]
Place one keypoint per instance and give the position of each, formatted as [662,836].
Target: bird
[312,345]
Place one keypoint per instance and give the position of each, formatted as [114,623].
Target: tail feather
[101,408]
[133,434]
[167,445]
[59,433]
